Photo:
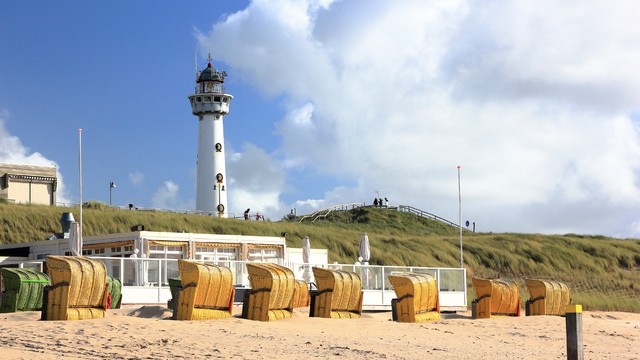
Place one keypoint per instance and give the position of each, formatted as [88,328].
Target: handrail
[340,207]
[422,213]
[323,213]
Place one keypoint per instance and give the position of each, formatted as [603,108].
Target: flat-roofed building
[27,184]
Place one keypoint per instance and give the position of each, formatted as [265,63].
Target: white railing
[146,281]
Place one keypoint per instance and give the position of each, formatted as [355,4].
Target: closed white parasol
[75,239]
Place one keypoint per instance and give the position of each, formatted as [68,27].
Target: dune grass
[603,273]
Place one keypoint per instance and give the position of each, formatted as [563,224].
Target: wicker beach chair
[547,297]
[339,294]
[79,289]
[174,287]
[114,286]
[206,292]
[301,294]
[23,289]
[495,297]
[418,299]
[271,294]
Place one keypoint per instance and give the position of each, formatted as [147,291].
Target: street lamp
[460,217]
[112,185]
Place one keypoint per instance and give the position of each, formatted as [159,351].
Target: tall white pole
[460,217]
[80,178]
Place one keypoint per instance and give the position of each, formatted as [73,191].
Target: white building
[26,184]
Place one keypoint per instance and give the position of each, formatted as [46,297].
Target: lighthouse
[210,104]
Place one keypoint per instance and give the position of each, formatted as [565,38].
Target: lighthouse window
[224,100]
[216,98]
[198,99]
[207,99]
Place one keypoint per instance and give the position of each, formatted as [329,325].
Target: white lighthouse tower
[210,104]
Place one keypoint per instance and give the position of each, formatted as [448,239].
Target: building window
[164,252]
[266,254]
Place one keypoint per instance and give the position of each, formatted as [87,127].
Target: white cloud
[534,99]
[167,196]
[12,151]
[255,181]
[136,178]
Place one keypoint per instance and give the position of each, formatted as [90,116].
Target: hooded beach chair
[206,292]
[114,286]
[78,289]
[417,300]
[547,297]
[23,289]
[495,297]
[339,294]
[271,295]
[301,294]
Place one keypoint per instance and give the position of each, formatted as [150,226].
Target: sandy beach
[145,332]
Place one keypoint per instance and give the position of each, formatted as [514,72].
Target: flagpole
[80,179]
[460,217]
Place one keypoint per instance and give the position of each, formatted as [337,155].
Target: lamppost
[112,185]
[220,188]
[460,217]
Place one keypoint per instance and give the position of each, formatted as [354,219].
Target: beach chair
[339,294]
[547,297]
[418,299]
[206,292]
[78,289]
[301,294]
[23,289]
[114,286]
[271,294]
[174,287]
[495,297]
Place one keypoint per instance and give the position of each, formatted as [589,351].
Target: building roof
[211,74]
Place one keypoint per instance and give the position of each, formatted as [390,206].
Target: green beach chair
[23,289]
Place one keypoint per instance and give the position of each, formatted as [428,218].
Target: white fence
[146,281]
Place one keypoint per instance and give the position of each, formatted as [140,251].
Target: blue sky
[335,100]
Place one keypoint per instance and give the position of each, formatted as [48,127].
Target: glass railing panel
[452,280]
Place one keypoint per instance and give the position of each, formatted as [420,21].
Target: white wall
[318,256]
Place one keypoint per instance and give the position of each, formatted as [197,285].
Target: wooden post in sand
[574,332]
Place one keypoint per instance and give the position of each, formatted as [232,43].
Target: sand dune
[144,332]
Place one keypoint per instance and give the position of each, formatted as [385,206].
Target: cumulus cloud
[534,99]
[255,181]
[167,197]
[136,178]
[12,151]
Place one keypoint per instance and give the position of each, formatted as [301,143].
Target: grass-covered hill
[603,273]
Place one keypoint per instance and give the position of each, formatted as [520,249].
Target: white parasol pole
[80,180]
[460,217]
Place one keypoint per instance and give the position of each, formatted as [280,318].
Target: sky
[338,102]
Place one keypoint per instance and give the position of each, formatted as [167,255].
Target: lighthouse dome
[211,74]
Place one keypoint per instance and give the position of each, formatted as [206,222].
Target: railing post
[574,332]
[121,270]
[159,277]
